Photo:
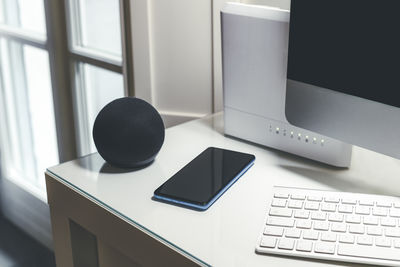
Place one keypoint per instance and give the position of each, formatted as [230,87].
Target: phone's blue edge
[200,207]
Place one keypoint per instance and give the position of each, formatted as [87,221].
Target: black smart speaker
[128,132]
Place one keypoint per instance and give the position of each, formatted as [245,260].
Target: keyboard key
[394,213]
[383,203]
[382,242]
[365,240]
[349,239]
[332,199]
[304,224]
[314,198]
[343,224]
[268,242]
[338,227]
[391,222]
[324,247]
[356,229]
[302,214]
[298,196]
[371,220]
[366,202]
[293,233]
[363,210]
[273,231]
[347,200]
[323,226]
[330,237]
[353,219]
[277,221]
[345,208]
[335,217]
[374,230]
[311,206]
[368,252]
[280,212]
[286,243]
[281,195]
[277,202]
[328,207]
[304,245]
[321,216]
[295,204]
[379,211]
[310,235]
[392,232]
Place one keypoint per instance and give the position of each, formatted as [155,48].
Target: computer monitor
[343,77]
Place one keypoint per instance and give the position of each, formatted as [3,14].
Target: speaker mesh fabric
[128,132]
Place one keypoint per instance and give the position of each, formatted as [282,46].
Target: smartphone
[203,180]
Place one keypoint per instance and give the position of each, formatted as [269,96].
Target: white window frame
[18,203]
[78,54]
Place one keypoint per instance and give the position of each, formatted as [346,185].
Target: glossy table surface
[226,233]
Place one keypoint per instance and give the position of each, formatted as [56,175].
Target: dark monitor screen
[349,46]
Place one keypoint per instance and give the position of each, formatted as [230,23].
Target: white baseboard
[28,212]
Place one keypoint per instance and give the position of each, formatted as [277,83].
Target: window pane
[1,12]
[95,88]
[28,135]
[41,108]
[96,25]
[25,14]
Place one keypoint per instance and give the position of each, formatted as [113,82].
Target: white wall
[181,55]
[177,55]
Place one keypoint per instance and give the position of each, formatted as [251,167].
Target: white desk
[225,234]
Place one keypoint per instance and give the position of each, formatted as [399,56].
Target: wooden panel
[84,246]
[134,243]
[110,257]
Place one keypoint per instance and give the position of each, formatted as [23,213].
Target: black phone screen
[206,176]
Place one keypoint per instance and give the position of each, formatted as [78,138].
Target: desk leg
[118,243]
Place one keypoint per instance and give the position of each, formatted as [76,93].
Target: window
[95,87]
[27,126]
[95,28]
[60,63]
[46,71]
[97,55]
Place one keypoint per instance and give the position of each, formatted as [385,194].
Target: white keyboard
[332,225]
